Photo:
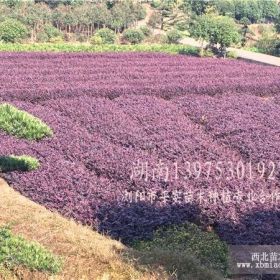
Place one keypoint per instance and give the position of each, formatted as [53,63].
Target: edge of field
[86,254]
[88,48]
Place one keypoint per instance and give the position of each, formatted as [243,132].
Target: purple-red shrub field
[143,140]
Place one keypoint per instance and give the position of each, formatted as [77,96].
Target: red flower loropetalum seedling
[112,112]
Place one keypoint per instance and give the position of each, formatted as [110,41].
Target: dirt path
[253,56]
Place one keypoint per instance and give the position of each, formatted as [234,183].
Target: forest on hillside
[129,21]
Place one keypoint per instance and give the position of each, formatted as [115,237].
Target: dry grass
[86,254]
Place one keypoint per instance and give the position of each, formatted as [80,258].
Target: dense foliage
[253,10]
[12,31]
[107,36]
[133,36]
[173,36]
[269,45]
[109,111]
[74,20]
[189,239]
[220,31]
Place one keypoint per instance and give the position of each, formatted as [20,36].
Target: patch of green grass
[16,251]
[189,240]
[71,47]
[21,163]
[252,49]
[22,124]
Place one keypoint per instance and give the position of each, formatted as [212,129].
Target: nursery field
[141,140]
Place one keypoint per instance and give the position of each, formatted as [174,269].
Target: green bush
[42,37]
[96,40]
[52,37]
[12,31]
[232,54]
[189,239]
[56,40]
[16,251]
[18,163]
[146,30]
[21,124]
[269,45]
[173,36]
[52,32]
[155,3]
[139,11]
[107,35]
[245,21]
[133,36]
[80,37]
[206,53]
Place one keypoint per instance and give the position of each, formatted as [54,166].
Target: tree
[133,36]
[224,33]
[107,35]
[165,10]
[83,19]
[11,3]
[5,12]
[245,31]
[34,16]
[173,36]
[219,31]
[65,18]
[254,10]
[154,20]
[277,24]
[196,7]
[270,10]
[12,30]
[225,7]
[119,18]
[101,15]
[201,28]
[254,13]
[139,11]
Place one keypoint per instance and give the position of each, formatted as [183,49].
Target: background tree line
[219,22]
[70,17]
[255,11]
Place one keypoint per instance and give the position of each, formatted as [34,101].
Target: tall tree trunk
[91,30]
[32,35]
[88,31]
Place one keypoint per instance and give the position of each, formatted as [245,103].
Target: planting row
[38,76]
[129,140]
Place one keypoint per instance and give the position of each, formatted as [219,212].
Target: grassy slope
[86,254]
